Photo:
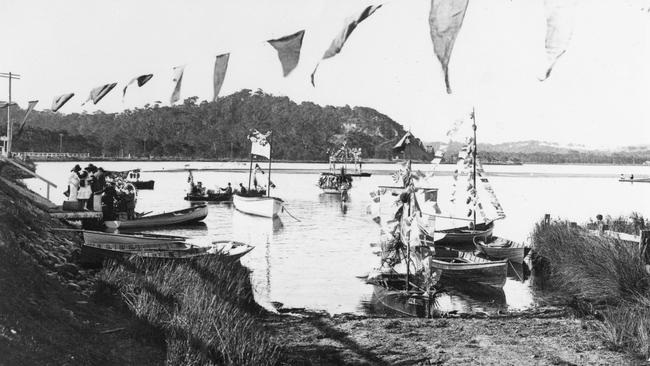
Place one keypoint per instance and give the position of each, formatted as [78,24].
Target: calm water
[314,262]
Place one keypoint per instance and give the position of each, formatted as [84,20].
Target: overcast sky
[597,95]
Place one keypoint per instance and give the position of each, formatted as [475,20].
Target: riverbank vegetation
[600,276]
[205,308]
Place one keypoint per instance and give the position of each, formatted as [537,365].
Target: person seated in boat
[631,176]
[200,189]
[242,189]
[227,190]
[129,200]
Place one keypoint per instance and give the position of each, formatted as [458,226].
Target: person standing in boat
[73,183]
[84,192]
[91,170]
[108,202]
[97,186]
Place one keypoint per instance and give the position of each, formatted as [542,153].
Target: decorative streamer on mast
[560,21]
[141,80]
[339,41]
[59,101]
[445,20]
[288,48]
[220,68]
[99,93]
[177,78]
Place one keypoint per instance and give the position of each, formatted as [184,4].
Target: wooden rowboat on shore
[466,267]
[185,216]
[500,248]
[100,237]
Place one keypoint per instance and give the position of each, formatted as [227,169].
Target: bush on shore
[205,307]
[598,271]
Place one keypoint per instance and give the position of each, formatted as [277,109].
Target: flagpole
[268,185]
[474,165]
[250,171]
[9,76]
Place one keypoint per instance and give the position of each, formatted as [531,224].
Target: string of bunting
[445,21]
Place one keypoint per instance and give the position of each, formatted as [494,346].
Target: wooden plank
[617,235]
[75,215]
[26,170]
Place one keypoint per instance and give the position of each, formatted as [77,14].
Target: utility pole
[9,76]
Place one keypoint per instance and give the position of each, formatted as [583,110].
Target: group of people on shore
[95,191]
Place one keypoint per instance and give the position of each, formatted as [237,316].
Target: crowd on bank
[94,190]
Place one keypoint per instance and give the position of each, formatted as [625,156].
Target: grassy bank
[205,308]
[601,276]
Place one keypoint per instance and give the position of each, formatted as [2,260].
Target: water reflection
[334,200]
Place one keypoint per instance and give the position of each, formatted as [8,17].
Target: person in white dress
[84,192]
[73,183]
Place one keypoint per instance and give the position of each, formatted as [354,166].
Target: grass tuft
[205,306]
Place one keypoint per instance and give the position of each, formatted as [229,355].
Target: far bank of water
[314,263]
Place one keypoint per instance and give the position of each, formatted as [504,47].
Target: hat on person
[76,168]
[91,168]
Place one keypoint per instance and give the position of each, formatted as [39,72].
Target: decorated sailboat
[251,201]
[479,217]
[405,280]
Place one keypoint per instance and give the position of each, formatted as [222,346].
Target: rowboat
[188,215]
[500,248]
[210,197]
[405,303]
[100,237]
[466,267]
[95,253]
[142,184]
[258,206]
[635,180]
[464,235]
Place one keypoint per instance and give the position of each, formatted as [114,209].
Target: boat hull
[258,206]
[99,237]
[143,184]
[179,217]
[214,197]
[514,252]
[466,267]
[465,237]
[404,303]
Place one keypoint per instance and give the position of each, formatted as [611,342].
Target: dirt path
[318,339]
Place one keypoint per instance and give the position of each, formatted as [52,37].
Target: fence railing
[41,155]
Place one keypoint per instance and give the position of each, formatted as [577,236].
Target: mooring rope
[284,209]
[517,273]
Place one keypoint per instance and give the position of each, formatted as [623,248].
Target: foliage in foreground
[204,306]
[598,270]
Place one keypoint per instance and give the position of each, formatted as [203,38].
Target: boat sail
[477,218]
[253,202]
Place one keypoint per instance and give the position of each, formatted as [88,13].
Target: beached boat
[466,267]
[500,248]
[95,253]
[185,216]
[258,206]
[100,237]
[390,294]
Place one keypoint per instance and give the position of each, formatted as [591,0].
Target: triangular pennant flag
[99,92]
[220,68]
[30,107]
[338,42]
[288,48]
[178,78]
[559,29]
[59,101]
[141,80]
[445,19]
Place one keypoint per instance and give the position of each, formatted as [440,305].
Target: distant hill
[218,130]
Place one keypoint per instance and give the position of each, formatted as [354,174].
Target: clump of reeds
[587,266]
[205,306]
[598,272]
[627,326]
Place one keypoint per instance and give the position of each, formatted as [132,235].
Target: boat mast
[250,169]
[268,184]
[474,166]
[408,241]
